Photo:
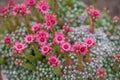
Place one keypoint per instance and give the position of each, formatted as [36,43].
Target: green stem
[68,61]
[116,66]
[17,22]
[55,3]
[95,3]
[28,66]
[27,22]
[80,65]
[30,57]
[70,3]
[57,71]
[1,76]
[113,28]
[87,58]
[36,51]
[2,61]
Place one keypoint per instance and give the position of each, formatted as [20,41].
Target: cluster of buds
[117,62]
[101,73]
[116,19]
[18,62]
[94,14]
[114,24]
[7,41]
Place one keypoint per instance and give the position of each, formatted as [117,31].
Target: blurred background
[112,5]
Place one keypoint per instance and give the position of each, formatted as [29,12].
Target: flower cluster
[18,47]
[29,38]
[101,73]
[116,19]
[30,2]
[117,57]
[45,49]
[90,42]
[21,9]
[79,48]
[7,41]
[36,27]
[18,62]
[50,21]
[93,13]
[53,61]
[43,6]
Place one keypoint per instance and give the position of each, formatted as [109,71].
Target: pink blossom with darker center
[43,6]
[18,47]
[53,61]
[45,49]
[29,38]
[66,46]
[6,40]
[59,38]
[83,49]
[36,27]
[41,40]
[90,42]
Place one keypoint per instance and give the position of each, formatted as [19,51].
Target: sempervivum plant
[35,46]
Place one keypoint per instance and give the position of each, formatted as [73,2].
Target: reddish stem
[87,58]
[92,26]
[80,65]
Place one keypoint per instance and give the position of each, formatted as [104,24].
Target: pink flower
[21,9]
[53,61]
[30,2]
[94,14]
[18,47]
[89,8]
[6,41]
[11,4]
[116,19]
[67,28]
[90,42]
[101,72]
[43,6]
[41,40]
[3,11]
[83,49]
[18,62]
[79,48]
[36,27]
[42,33]
[75,47]
[50,21]
[66,46]
[45,49]
[117,57]
[59,38]
[29,38]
